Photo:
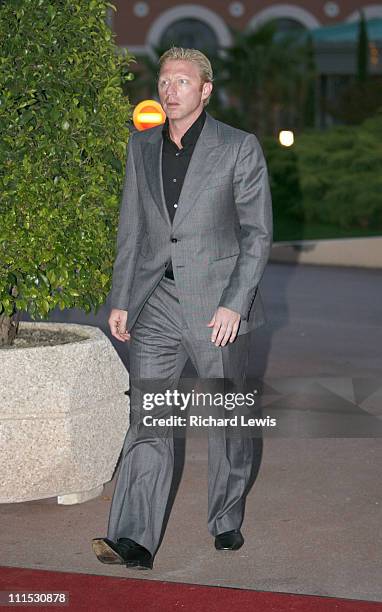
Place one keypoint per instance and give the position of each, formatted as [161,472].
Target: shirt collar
[191,136]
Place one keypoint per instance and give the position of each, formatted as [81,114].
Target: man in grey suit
[194,237]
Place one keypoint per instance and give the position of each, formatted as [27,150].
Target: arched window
[284,25]
[189,33]
[289,18]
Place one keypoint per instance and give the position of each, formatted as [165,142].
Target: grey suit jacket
[221,235]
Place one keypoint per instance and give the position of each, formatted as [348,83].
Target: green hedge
[283,177]
[332,177]
[63,124]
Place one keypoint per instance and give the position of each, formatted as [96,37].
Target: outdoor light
[286,138]
[148,114]
[374,53]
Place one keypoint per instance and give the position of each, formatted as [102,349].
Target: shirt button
[177,154]
[174,240]
[175,206]
[174,180]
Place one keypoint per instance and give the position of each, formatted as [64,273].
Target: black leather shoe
[134,554]
[123,552]
[229,540]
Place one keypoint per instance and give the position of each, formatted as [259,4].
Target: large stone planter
[63,416]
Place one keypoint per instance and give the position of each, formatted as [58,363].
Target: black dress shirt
[175,163]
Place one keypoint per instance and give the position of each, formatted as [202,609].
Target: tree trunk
[9,326]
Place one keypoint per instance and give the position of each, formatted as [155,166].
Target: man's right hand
[118,324]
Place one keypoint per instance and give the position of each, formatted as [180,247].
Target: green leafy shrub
[63,125]
[340,175]
[283,177]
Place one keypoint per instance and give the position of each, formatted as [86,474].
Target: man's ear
[207,88]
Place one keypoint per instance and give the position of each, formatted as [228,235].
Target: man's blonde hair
[190,55]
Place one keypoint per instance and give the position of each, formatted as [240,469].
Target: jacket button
[174,240]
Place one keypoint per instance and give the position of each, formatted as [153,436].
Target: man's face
[180,89]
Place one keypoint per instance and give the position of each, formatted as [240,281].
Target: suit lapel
[152,161]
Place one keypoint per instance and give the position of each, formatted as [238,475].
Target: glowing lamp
[286,138]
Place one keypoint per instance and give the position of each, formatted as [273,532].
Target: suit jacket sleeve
[254,207]
[130,234]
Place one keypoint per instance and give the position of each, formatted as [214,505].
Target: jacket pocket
[224,244]
[227,256]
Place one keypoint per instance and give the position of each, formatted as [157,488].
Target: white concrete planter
[63,416]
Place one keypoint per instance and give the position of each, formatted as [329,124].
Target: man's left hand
[225,323]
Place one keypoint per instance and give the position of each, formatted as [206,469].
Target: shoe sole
[230,548]
[139,565]
[106,554]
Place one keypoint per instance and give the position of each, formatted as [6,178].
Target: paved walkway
[313,517]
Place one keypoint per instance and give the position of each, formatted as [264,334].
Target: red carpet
[116,594]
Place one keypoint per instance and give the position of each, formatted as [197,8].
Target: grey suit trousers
[160,346]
